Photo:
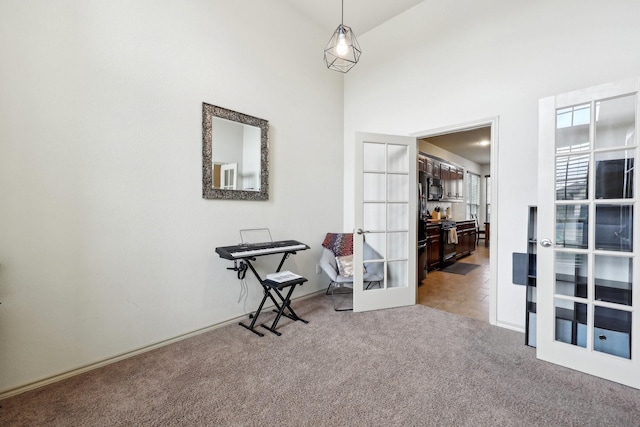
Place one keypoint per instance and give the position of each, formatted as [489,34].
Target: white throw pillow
[345,265]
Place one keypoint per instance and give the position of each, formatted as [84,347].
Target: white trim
[493,237]
[511,326]
[493,122]
[460,127]
[90,367]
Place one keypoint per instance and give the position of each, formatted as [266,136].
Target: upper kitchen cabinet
[433,168]
[459,183]
[452,182]
[422,163]
[429,165]
[437,172]
[444,174]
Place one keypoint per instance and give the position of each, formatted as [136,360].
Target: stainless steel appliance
[434,189]
[422,227]
[448,244]
[422,251]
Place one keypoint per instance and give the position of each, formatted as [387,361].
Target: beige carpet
[413,366]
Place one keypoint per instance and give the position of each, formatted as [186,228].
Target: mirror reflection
[235,155]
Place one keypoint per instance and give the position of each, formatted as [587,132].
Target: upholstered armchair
[339,269]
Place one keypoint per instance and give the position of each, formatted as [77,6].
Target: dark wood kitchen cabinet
[459,179]
[447,184]
[466,238]
[422,164]
[433,246]
[452,178]
[436,169]
[433,168]
[453,183]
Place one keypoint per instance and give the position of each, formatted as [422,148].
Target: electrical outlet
[318,269]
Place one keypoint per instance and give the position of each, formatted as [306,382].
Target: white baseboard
[511,326]
[82,369]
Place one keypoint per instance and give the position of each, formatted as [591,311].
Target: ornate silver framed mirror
[235,155]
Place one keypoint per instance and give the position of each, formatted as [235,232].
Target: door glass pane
[374,188]
[397,246]
[614,174]
[612,332]
[374,157]
[614,227]
[572,177]
[572,226]
[375,246]
[398,188]
[572,128]
[613,278]
[397,274]
[571,274]
[571,322]
[398,158]
[373,276]
[374,218]
[372,251]
[615,122]
[398,216]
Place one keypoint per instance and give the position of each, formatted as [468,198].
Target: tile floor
[464,295]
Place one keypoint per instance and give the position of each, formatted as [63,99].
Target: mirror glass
[234,155]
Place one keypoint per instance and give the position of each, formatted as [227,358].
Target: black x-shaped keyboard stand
[270,288]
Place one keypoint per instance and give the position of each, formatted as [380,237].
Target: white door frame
[494,230]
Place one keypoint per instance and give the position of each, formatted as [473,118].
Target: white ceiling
[365,15]
[466,144]
[360,15]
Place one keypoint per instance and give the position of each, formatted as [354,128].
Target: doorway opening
[466,286]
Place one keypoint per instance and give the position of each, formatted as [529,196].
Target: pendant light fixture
[342,51]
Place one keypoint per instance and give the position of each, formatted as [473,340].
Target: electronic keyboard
[259,249]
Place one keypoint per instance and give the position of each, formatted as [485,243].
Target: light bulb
[341,47]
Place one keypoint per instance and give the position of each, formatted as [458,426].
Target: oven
[449,241]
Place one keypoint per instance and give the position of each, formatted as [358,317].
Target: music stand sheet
[255,235]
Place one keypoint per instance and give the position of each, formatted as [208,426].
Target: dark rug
[460,268]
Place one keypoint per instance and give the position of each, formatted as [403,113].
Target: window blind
[473,195]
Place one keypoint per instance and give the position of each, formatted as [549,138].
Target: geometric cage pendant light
[342,51]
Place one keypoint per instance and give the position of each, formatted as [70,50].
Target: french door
[588,232]
[385,236]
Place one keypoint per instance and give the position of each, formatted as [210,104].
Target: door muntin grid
[594,253]
[385,211]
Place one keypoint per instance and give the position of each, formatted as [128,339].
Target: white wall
[443,64]
[106,244]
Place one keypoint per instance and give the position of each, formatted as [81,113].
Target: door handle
[545,243]
[360,231]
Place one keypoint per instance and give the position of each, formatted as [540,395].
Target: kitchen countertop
[439,221]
